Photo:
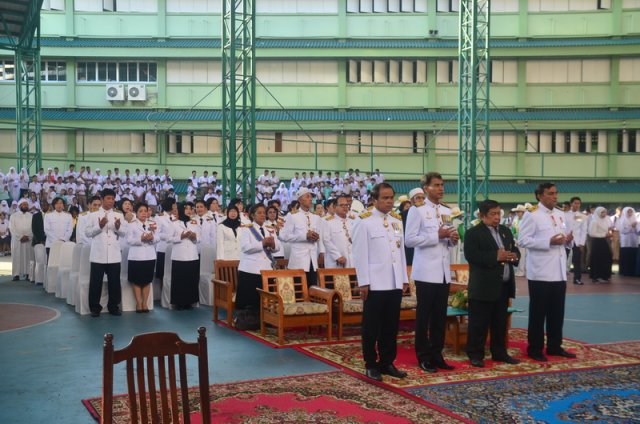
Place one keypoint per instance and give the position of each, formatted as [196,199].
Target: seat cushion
[412,287]
[352,306]
[286,290]
[408,302]
[342,285]
[304,308]
[462,276]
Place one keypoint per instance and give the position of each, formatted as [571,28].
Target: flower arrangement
[459,299]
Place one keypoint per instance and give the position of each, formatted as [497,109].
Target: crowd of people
[321,220]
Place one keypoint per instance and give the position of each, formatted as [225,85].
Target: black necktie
[200,221]
[144,227]
[262,232]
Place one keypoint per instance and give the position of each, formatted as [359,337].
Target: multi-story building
[341,84]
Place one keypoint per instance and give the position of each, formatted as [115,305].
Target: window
[194,6]
[145,6]
[54,5]
[631,4]
[180,142]
[448,6]
[504,71]
[568,71]
[629,141]
[629,70]
[7,70]
[386,6]
[53,71]
[291,142]
[502,141]
[117,71]
[568,5]
[113,142]
[447,71]
[447,142]
[504,6]
[297,6]
[194,71]
[297,71]
[387,71]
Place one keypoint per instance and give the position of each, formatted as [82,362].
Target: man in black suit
[491,252]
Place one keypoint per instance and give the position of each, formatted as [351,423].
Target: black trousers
[546,309]
[380,318]
[576,261]
[431,316]
[95,286]
[312,276]
[485,316]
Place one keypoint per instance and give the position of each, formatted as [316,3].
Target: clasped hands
[448,232]
[104,220]
[190,235]
[561,239]
[506,256]
[312,236]
[269,242]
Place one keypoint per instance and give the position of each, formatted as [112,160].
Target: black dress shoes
[95,314]
[507,360]
[428,367]
[562,353]
[392,371]
[16,278]
[373,374]
[444,366]
[538,357]
[477,362]
[115,312]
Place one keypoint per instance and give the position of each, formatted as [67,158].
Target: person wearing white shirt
[35,186]
[105,227]
[213,205]
[338,235]
[381,267]
[430,234]
[164,231]
[295,182]
[142,240]
[185,265]
[21,236]
[600,231]
[58,224]
[81,236]
[203,181]
[70,173]
[544,233]
[228,241]
[97,178]
[257,244]
[303,232]
[208,227]
[628,228]
[577,224]
[151,199]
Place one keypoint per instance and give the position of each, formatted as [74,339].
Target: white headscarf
[4,207]
[625,219]
[599,226]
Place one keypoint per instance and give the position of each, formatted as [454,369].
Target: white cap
[23,200]
[519,208]
[415,191]
[456,211]
[302,191]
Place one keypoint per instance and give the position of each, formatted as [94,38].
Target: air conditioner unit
[115,92]
[137,92]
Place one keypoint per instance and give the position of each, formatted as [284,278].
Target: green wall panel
[185,96]
[116,25]
[448,25]
[387,25]
[446,96]
[631,22]
[295,26]
[568,24]
[295,96]
[553,95]
[53,24]
[627,165]
[54,95]
[629,94]
[504,95]
[504,25]
[384,96]
[192,25]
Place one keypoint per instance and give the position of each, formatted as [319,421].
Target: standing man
[378,247]
[544,234]
[577,225]
[105,227]
[338,235]
[21,234]
[416,196]
[430,233]
[302,231]
[81,236]
[491,251]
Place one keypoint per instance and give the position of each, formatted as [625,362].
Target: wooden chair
[347,304]
[225,282]
[286,302]
[461,273]
[456,330]
[409,300]
[150,399]
[282,263]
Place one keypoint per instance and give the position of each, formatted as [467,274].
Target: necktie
[144,227]
[201,220]
[498,239]
[262,232]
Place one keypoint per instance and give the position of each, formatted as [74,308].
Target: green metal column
[238,99]
[473,115]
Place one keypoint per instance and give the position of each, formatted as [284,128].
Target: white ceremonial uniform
[431,257]
[21,253]
[545,262]
[57,226]
[378,252]
[338,240]
[228,245]
[105,244]
[208,231]
[303,252]
[576,222]
[184,249]
[253,257]
[141,250]
[164,231]
[81,226]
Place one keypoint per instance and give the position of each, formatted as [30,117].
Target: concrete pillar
[574,144]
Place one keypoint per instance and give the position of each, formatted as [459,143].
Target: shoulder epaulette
[365,215]
[329,218]
[84,213]
[352,216]
[533,208]
[246,225]
[193,221]
[395,215]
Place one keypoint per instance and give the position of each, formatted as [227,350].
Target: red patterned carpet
[348,355]
[331,397]
[14,316]
[624,348]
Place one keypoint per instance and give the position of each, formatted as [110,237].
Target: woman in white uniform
[141,238]
[185,266]
[228,241]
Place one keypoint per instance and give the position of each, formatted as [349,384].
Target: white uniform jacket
[338,240]
[81,226]
[183,249]
[57,226]
[545,262]
[141,250]
[378,252]
[253,257]
[208,230]
[576,222]
[164,231]
[431,257]
[105,244]
[303,252]
[228,245]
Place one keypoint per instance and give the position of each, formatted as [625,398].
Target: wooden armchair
[286,302]
[456,329]
[409,300]
[461,273]
[156,399]
[347,304]
[225,282]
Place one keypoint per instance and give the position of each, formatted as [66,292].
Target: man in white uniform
[338,235]
[21,234]
[81,236]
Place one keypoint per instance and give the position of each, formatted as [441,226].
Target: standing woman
[601,258]
[274,224]
[142,241]
[257,243]
[228,241]
[627,226]
[185,267]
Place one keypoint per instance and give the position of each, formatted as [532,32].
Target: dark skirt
[140,273]
[160,265]
[601,258]
[185,276]
[247,297]
[628,261]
